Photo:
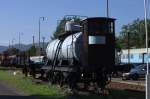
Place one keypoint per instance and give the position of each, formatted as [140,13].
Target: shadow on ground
[114,95]
[47,97]
[16,97]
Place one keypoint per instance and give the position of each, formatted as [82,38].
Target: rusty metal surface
[96,55]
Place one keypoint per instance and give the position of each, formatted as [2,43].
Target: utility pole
[40,19]
[43,42]
[19,40]
[43,51]
[9,44]
[33,40]
[107,8]
[12,42]
[147,74]
[128,47]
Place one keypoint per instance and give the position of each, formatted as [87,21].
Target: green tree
[134,34]
[11,51]
[61,26]
[117,45]
[32,51]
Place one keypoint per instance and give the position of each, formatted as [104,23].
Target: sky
[22,16]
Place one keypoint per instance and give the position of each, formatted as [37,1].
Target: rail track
[114,84]
[127,85]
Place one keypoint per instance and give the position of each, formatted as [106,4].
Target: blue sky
[23,15]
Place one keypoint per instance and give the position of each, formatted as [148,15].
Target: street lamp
[40,19]
[43,43]
[147,74]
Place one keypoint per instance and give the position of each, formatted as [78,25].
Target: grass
[43,91]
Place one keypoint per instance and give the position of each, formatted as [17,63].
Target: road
[9,92]
[135,82]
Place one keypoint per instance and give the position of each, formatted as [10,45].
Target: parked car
[135,73]
[122,68]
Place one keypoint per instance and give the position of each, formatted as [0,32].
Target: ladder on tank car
[56,54]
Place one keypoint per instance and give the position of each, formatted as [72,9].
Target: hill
[22,47]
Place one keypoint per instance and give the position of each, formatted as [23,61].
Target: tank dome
[71,26]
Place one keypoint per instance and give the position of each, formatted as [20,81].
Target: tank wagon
[84,53]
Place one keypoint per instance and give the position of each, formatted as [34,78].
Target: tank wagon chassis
[86,56]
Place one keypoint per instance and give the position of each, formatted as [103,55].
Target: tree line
[133,35]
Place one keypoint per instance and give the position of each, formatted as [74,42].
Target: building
[134,55]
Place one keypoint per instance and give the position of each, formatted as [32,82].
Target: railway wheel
[102,81]
[57,77]
[72,81]
[50,77]
[61,79]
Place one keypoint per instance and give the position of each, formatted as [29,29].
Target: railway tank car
[69,49]
[84,56]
